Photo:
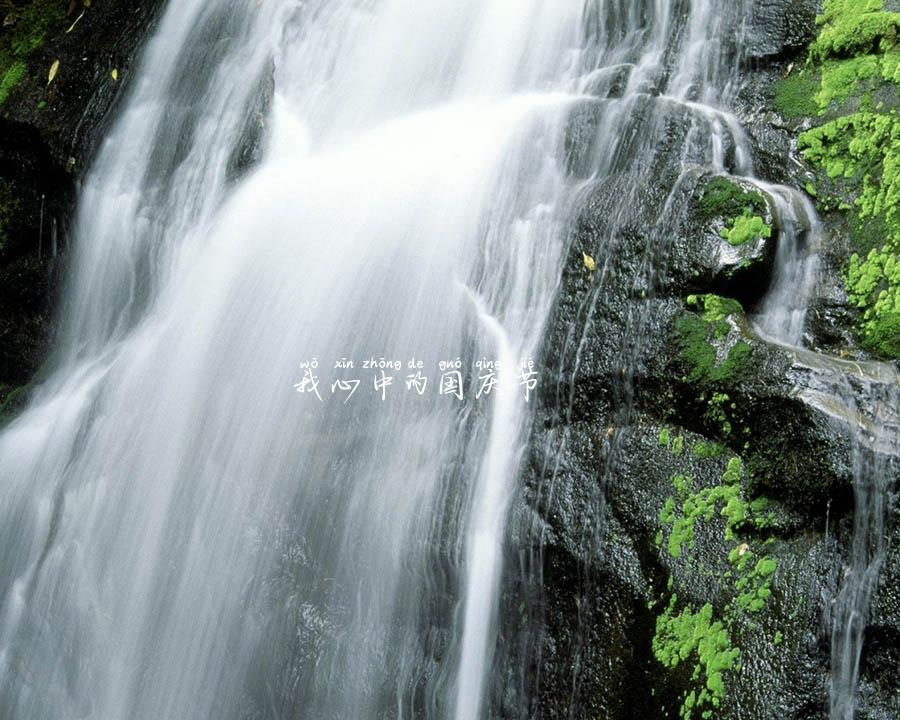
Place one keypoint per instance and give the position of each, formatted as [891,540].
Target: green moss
[31,28]
[678,446]
[746,228]
[702,505]
[695,637]
[863,150]
[873,283]
[694,336]
[741,210]
[715,308]
[11,77]
[704,450]
[857,48]
[852,27]
[725,198]
[843,78]
[755,582]
[664,437]
[681,514]
[795,96]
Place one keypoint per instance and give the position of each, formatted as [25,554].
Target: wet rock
[656,126]
[716,247]
[248,151]
[48,131]
[780,27]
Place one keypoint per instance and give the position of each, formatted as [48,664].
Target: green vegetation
[746,228]
[715,308]
[795,95]
[874,287]
[703,450]
[709,363]
[858,147]
[694,636]
[725,198]
[852,27]
[741,209]
[29,27]
[695,335]
[664,437]
[700,355]
[864,150]
[10,79]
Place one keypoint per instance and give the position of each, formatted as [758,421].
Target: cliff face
[63,67]
[692,508]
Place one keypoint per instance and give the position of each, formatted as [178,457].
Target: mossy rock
[727,240]
[25,29]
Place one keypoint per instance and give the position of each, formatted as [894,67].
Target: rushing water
[184,533]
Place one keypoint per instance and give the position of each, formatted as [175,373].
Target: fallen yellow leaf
[589,262]
[115,74]
[72,26]
[54,68]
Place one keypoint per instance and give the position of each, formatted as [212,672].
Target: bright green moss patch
[746,228]
[715,307]
[852,27]
[754,583]
[702,363]
[696,638]
[702,505]
[741,209]
[857,49]
[873,283]
[795,96]
[703,450]
[863,150]
[842,78]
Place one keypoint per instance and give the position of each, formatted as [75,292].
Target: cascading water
[184,535]
[682,63]
[862,398]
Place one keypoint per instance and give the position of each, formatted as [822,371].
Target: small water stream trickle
[863,399]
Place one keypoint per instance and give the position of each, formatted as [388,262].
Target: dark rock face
[780,28]
[48,133]
[657,397]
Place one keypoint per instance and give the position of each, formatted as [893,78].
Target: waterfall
[203,516]
[271,472]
